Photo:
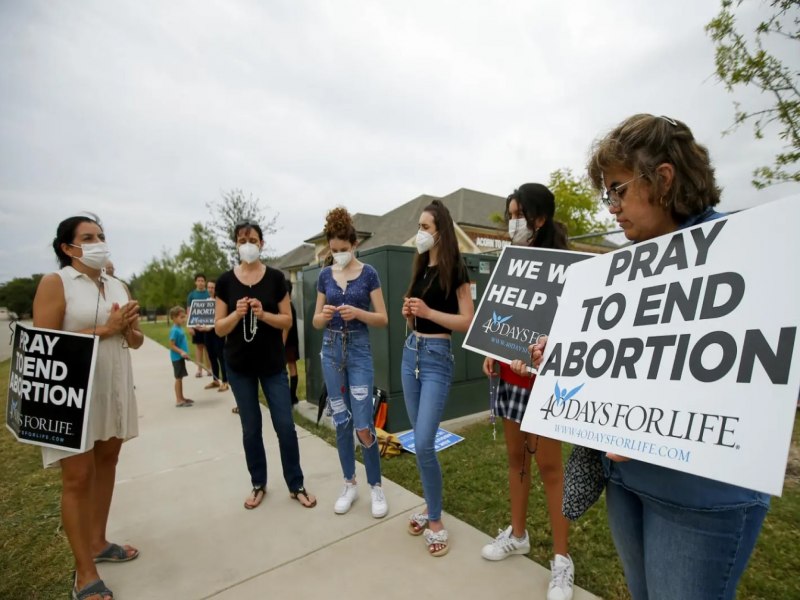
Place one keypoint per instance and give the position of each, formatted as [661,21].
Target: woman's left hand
[258,309]
[418,308]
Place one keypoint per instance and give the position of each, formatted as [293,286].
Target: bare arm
[133,335]
[323,313]
[280,320]
[224,322]
[49,306]
[378,316]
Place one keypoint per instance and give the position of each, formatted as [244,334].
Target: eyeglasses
[612,197]
[246,223]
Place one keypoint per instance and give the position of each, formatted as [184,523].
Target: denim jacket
[676,487]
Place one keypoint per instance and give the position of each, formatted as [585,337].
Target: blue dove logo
[498,320]
[562,396]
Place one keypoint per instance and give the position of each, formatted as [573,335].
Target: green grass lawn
[35,560]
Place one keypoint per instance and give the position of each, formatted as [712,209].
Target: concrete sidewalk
[180,489]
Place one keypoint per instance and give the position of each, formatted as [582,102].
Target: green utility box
[469,392]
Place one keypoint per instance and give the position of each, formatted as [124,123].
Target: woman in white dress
[82,298]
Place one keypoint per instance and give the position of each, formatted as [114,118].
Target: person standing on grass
[198,334]
[80,298]
[215,347]
[252,310]
[678,535]
[179,354]
[529,214]
[292,346]
[438,302]
[345,291]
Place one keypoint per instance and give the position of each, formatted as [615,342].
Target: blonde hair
[175,311]
[640,144]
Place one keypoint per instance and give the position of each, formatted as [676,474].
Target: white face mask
[518,231]
[425,241]
[95,256]
[249,253]
[342,259]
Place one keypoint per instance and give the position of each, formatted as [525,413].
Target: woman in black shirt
[438,302]
[252,310]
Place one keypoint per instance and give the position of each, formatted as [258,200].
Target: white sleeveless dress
[112,412]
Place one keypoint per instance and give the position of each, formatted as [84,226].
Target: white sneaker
[379,505]
[562,573]
[505,544]
[346,498]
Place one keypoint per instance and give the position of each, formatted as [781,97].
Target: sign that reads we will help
[682,351]
[201,313]
[50,387]
[519,302]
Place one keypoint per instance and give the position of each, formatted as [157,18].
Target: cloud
[145,111]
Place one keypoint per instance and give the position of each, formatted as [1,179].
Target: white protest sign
[680,351]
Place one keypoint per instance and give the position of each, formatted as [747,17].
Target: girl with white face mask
[81,298]
[438,302]
[345,290]
[253,309]
[529,212]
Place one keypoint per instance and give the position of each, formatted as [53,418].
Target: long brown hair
[449,254]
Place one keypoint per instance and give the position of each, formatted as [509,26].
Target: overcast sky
[143,111]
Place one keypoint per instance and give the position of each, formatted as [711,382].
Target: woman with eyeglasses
[529,214]
[678,535]
[345,290]
[438,302]
[251,313]
[82,298]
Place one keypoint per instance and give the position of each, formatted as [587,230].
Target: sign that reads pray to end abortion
[681,351]
[50,387]
[201,313]
[519,302]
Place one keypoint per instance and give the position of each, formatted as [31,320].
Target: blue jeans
[347,369]
[426,373]
[670,552]
[276,390]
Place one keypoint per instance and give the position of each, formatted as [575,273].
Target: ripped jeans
[347,369]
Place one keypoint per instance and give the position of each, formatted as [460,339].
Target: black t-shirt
[265,354]
[428,288]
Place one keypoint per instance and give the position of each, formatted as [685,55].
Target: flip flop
[115,553]
[257,495]
[302,493]
[436,539]
[183,404]
[417,523]
[93,588]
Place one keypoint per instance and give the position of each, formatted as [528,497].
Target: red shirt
[523,381]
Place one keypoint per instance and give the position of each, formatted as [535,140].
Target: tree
[201,255]
[576,204]
[161,285]
[17,295]
[741,62]
[232,208]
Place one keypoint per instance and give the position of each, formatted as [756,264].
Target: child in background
[178,353]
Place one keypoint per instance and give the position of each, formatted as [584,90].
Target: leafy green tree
[201,254]
[742,62]
[17,295]
[162,284]
[234,207]
[576,204]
